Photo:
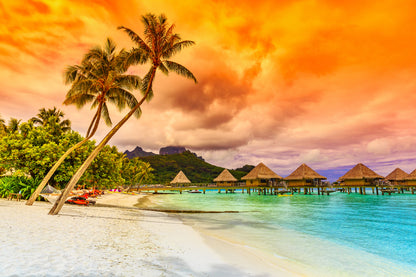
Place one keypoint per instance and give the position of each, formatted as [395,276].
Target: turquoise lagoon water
[336,235]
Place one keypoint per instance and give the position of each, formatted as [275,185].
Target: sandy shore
[114,241]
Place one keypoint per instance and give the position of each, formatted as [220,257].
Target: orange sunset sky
[329,83]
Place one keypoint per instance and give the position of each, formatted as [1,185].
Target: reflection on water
[354,234]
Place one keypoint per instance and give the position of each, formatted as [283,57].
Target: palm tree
[100,78]
[44,117]
[3,126]
[159,44]
[136,171]
[13,125]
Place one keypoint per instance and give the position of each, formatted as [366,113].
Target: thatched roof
[397,175]
[304,172]
[180,179]
[261,172]
[360,171]
[412,175]
[225,176]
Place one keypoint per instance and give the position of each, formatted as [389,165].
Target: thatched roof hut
[304,172]
[360,172]
[225,176]
[180,179]
[411,176]
[397,175]
[261,172]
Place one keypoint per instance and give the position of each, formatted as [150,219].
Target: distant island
[172,159]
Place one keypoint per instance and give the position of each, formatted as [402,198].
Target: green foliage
[106,169]
[198,171]
[52,117]
[136,171]
[18,184]
[34,150]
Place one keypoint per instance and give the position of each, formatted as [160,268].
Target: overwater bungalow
[180,179]
[304,177]
[397,177]
[225,179]
[411,181]
[261,175]
[360,176]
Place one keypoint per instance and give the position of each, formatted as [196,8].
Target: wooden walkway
[260,190]
[269,190]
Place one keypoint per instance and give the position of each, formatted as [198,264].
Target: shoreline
[120,240]
[250,261]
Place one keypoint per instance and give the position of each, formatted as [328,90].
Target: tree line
[102,78]
[29,149]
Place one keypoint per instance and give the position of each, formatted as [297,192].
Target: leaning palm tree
[100,78]
[158,46]
[45,116]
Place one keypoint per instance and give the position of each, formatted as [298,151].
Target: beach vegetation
[13,125]
[100,78]
[29,153]
[52,116]
[136,171]
[157,46]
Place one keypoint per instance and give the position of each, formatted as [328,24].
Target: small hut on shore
[261,175]
[359,176]
[180,179]
[397,177]
[303,177]
[225,178]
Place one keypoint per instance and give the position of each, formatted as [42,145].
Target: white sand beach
[115,241]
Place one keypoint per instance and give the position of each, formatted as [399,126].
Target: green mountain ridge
[197,170]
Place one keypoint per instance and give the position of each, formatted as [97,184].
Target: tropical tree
[3,126]
[13,125]
[159,44]
[100,78]
[135,171]
[46,116]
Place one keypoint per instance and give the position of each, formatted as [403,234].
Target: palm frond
[176,48]
[106,115]
[79,100]
[136,38]
[147,82]
[180,70]
[163,68]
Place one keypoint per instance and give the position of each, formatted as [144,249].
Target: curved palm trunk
[75,178]
[48,176]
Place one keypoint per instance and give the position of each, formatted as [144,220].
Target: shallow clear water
[340,234]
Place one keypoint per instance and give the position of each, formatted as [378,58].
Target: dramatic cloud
[330,83]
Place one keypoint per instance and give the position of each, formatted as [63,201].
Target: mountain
[138,152]
[170,150]
[197,170]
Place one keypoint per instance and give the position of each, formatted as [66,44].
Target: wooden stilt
[377,190]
